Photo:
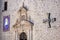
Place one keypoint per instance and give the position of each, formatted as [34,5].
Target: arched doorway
[23,36]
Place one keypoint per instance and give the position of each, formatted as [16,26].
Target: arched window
[23,36]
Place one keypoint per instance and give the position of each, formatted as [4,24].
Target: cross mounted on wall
[49,20]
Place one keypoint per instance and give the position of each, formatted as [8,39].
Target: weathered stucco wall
[38,10]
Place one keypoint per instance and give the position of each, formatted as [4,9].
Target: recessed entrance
[23,36]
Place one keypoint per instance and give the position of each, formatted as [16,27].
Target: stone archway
[23,36]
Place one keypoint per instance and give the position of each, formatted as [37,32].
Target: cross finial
[25,7]
[23,4]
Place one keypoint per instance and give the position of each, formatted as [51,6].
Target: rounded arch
[23,36]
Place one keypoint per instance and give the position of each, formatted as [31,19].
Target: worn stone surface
[38,10]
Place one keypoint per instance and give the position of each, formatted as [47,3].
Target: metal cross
[49,20]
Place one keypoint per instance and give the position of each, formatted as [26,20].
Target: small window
[5,6]
[54,19]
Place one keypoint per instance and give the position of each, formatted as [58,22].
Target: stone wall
[38,10]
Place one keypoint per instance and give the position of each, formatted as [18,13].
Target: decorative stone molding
[23,19]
